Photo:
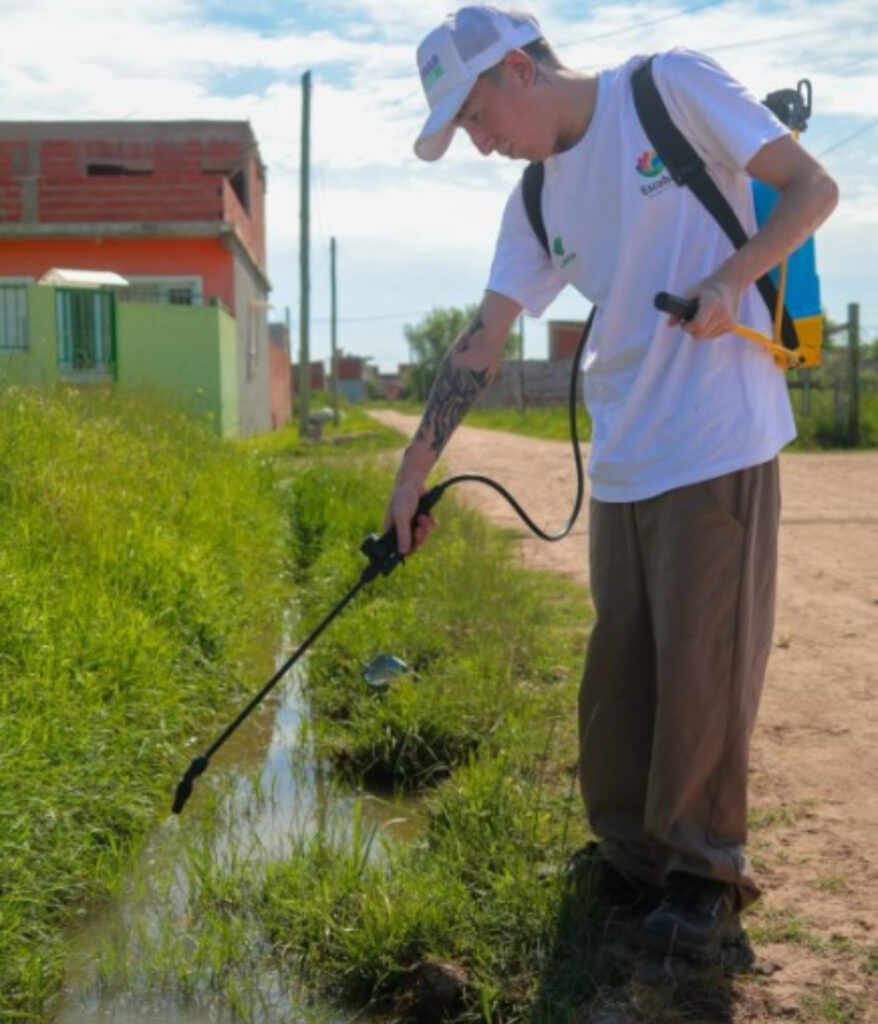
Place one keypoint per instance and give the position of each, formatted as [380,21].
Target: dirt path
[814,773]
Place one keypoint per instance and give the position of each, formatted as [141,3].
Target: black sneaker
[697,917]
[610,888]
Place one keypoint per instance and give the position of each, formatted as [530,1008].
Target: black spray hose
[577,458]
[384,557]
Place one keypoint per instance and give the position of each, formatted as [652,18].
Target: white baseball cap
[451,58]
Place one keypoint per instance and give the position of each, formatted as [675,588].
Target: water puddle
[263,793]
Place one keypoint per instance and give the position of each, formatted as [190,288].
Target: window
[171,291]
[13,318]
[86,331]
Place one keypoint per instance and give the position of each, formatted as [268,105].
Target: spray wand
[384,557]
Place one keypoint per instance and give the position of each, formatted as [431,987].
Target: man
[687,418]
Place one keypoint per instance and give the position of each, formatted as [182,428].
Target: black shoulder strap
[687,169]
[532,192]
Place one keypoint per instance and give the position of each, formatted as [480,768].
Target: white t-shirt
[666,410]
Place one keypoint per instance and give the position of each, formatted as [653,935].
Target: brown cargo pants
[683,586]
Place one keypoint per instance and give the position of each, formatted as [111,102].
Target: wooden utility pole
[304,257]
[290,360]
[334,330]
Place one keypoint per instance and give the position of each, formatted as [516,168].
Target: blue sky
[413,236]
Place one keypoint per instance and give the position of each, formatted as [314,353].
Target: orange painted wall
[207,258]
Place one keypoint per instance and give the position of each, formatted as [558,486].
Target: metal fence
[835,403]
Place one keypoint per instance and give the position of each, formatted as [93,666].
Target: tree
[430,339]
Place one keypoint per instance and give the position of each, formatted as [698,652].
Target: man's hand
[718,304]
[400,513]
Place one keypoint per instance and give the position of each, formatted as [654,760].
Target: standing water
[138,960]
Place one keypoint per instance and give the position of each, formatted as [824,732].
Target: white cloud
[157,59]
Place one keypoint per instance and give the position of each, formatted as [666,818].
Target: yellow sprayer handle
[685,309]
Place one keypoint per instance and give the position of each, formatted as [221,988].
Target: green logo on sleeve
[558,250]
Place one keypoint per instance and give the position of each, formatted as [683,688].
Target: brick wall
[564,336]
[316,377]
[86,200]
[209,177]
[350,368]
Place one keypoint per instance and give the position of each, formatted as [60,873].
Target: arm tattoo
[453,393]
[463,342]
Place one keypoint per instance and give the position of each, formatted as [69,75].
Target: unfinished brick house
[177,208]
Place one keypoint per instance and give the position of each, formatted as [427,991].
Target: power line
[849,138]
[636,26]
[369,319]
[646,24]
[781,37]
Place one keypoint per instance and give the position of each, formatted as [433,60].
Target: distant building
[177,208]
[316,377]
[392,385]
[351,377]
[564,336]
[281,396]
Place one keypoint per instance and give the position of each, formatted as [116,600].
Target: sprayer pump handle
[676,305]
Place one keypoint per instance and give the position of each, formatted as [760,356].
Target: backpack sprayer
[789,346]
[791,292]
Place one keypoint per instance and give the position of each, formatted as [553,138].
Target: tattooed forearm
[463,342]
[455,390]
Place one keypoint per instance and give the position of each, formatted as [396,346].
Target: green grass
[477,657]
[140,561]
[552,423]
[484,726]
[470,893]
[820,429]
[833,1007]
[355,434]
[825,427]
[484,729]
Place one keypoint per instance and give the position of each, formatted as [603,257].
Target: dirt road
[814,774]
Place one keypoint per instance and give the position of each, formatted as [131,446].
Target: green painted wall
[182,352]
[37,366]
[185,353]
[228,360]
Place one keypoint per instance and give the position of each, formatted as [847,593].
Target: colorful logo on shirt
[649,164]
[431,72]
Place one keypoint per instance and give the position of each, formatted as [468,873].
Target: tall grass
[479,633]
[140,559]
[483,724]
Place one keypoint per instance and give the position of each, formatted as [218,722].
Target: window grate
[86,331]
[13,318]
